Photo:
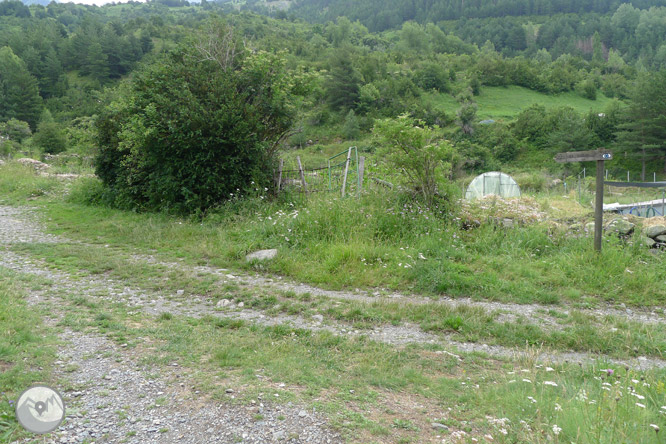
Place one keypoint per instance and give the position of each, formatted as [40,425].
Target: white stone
[261,255]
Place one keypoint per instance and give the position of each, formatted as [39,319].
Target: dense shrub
[196,127]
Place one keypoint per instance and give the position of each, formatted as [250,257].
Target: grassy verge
[380,240]
[572,331]
[26,352]
[384,241]
[377,393]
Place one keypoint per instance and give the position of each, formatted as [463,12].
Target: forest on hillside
[64,68]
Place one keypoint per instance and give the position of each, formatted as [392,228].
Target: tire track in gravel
[20,225]
[533,313]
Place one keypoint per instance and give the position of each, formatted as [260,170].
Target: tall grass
[19,183]
[388,240]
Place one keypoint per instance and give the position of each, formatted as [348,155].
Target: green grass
[19,183]
[505,103]
[374,391]
[26,351]
[376,241]
[369,390]
[578,332]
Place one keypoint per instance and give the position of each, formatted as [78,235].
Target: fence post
[654,177]
[361,168]
[330,187]
[627,175]
[279,182]
[584,175]
[579,194]
[300,169]
[344,180]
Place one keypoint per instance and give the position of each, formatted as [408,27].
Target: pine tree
[343,86]
[644,126]
[19,93]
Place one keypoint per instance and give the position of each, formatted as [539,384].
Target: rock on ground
[261,255]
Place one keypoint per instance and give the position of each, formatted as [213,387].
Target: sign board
[600,156]
[583,156]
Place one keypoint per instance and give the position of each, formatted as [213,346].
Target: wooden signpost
[600,156]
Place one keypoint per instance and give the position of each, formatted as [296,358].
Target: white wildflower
[556,429]
[551,383]
[640,405]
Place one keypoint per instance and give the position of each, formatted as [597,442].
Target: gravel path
[533,313]
[184,420]
[113,398]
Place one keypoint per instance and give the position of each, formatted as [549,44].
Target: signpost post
[600,156]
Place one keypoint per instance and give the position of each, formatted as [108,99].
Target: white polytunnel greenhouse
[492,182]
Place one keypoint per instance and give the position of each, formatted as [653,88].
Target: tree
[569,132]
[19,94]
[197,126]
[430,75]
[49,136]
[15,130]
[597,49]
[643,127]
[343,85]
[467,112]
[416,152]
[351,129]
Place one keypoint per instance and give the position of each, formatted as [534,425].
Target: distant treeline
[380,15]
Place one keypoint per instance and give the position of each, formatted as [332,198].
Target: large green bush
[196,127]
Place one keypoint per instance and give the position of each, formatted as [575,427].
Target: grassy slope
[504,103]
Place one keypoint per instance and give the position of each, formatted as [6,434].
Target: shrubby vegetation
[197,126]
[71,60]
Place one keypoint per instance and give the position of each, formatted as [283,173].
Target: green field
[504,103]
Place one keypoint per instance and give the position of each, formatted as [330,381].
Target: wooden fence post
[300,169]
[344,180]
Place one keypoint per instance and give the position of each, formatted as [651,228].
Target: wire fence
[624,192]
[343,173]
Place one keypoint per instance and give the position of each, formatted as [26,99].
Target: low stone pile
[655,236]
[36,164]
